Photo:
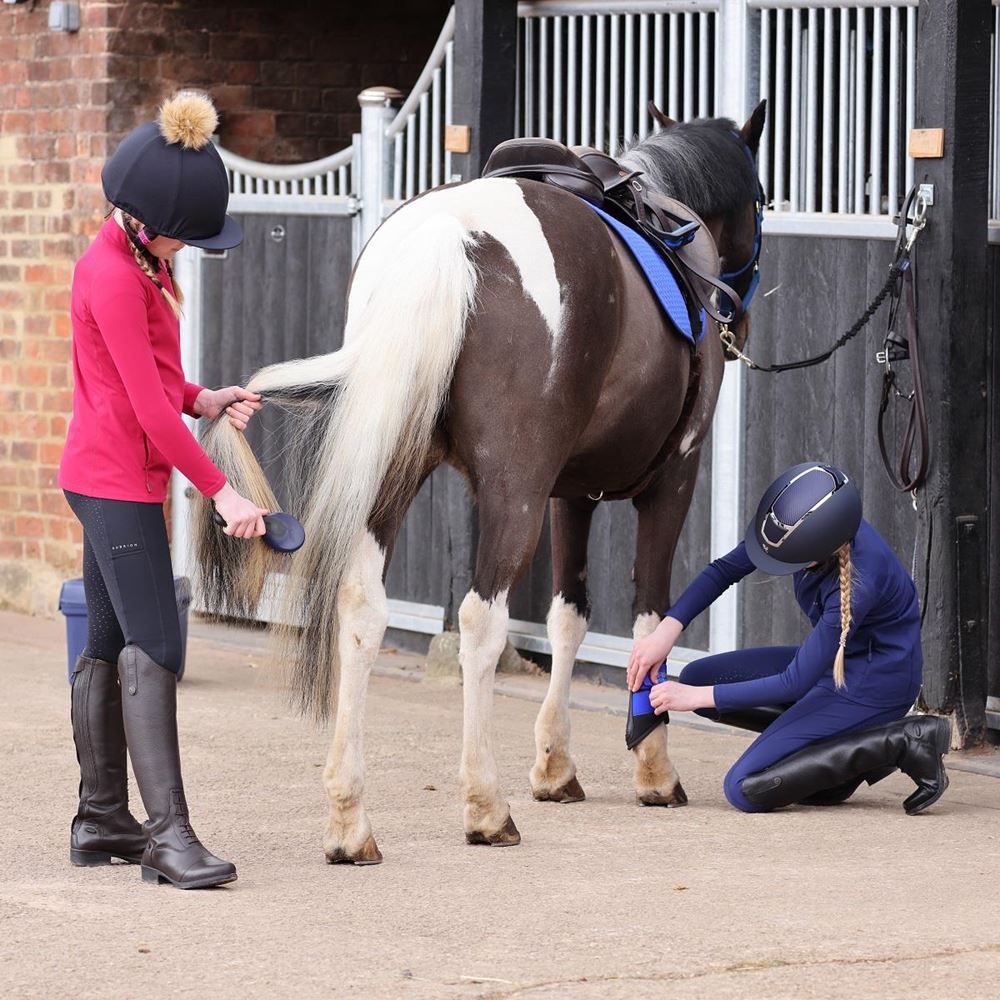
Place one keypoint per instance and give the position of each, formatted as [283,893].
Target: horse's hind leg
[509,526]
[553,778]
[363,614]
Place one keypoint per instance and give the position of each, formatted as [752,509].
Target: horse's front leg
[662,508]
[363,614]
[553,777]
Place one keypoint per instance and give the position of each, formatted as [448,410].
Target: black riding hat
[805,515]
[168,175]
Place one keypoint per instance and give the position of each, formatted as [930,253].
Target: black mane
[702,163]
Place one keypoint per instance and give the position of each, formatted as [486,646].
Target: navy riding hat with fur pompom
[168,175]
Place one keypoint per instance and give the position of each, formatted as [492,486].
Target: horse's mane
[702,163]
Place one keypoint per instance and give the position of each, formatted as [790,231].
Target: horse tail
[371,409]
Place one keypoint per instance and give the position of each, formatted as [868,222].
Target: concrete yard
[603,899]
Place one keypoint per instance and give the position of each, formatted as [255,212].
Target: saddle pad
[660,277]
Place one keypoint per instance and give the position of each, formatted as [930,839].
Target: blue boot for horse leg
[642,720]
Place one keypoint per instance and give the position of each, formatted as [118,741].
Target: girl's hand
[240,404]
[680,697]
[648,653]
[243,518]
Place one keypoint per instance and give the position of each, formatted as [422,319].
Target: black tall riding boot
[174,853]
[103,828]
[915,745]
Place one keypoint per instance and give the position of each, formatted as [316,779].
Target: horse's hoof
[506,836]
[569,792]
[368,854]
[678,797]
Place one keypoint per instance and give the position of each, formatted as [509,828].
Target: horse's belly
[641,401]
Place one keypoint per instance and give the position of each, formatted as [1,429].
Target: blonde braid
[844,561]
[147,269]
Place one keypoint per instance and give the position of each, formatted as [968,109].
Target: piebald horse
[498,326]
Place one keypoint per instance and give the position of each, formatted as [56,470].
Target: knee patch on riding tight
[732,786]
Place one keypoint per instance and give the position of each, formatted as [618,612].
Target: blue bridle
[729,277]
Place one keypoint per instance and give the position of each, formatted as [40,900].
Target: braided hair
[149,265]
[844,563]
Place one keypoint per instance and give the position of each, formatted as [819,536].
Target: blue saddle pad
[660,277]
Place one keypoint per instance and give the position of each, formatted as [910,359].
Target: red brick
[58,528]
[26,526]
[40,323]
[11,548]
[54,503]
[49,454]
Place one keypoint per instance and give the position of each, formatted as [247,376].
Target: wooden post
[485,84]
[953,60]
[485,91]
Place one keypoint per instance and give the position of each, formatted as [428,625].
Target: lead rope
[899,282]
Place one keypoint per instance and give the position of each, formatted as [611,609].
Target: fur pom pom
[188,118]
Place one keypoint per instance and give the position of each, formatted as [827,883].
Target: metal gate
[839,78]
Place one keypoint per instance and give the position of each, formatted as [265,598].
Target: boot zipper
[145,466]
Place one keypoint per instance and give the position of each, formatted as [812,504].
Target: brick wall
[53,138]
[285,77]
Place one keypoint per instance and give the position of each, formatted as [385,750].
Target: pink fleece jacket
[129,391]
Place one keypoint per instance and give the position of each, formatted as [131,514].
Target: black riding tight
[128,580]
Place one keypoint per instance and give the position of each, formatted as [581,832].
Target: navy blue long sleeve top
[883,661]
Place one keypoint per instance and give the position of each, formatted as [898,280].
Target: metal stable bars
[249,181]
[839,80]
[419,160]
[586,71]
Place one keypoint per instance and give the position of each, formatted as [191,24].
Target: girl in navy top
[844,694]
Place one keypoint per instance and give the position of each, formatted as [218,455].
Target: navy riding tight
[819,714]
[128,580]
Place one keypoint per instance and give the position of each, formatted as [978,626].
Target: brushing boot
[103,828]
[642,720]
[174,853]
[915,745]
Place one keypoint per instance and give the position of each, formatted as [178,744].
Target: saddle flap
[548,161]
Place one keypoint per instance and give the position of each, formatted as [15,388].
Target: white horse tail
[373,407]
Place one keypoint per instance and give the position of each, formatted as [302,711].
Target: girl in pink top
[169,188]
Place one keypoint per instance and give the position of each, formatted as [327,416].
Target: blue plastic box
[73,605]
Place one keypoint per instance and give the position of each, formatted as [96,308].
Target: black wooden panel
[993,525]
[811,291]
[280,295]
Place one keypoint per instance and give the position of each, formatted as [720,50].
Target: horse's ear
[659,117]
[754,126]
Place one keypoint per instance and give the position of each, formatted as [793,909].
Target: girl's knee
[692,673]
[732,787]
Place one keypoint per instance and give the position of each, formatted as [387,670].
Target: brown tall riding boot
[103,828]
[174,853]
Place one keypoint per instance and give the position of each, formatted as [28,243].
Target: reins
[898,286]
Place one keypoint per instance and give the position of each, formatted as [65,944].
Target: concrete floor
[603,899]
